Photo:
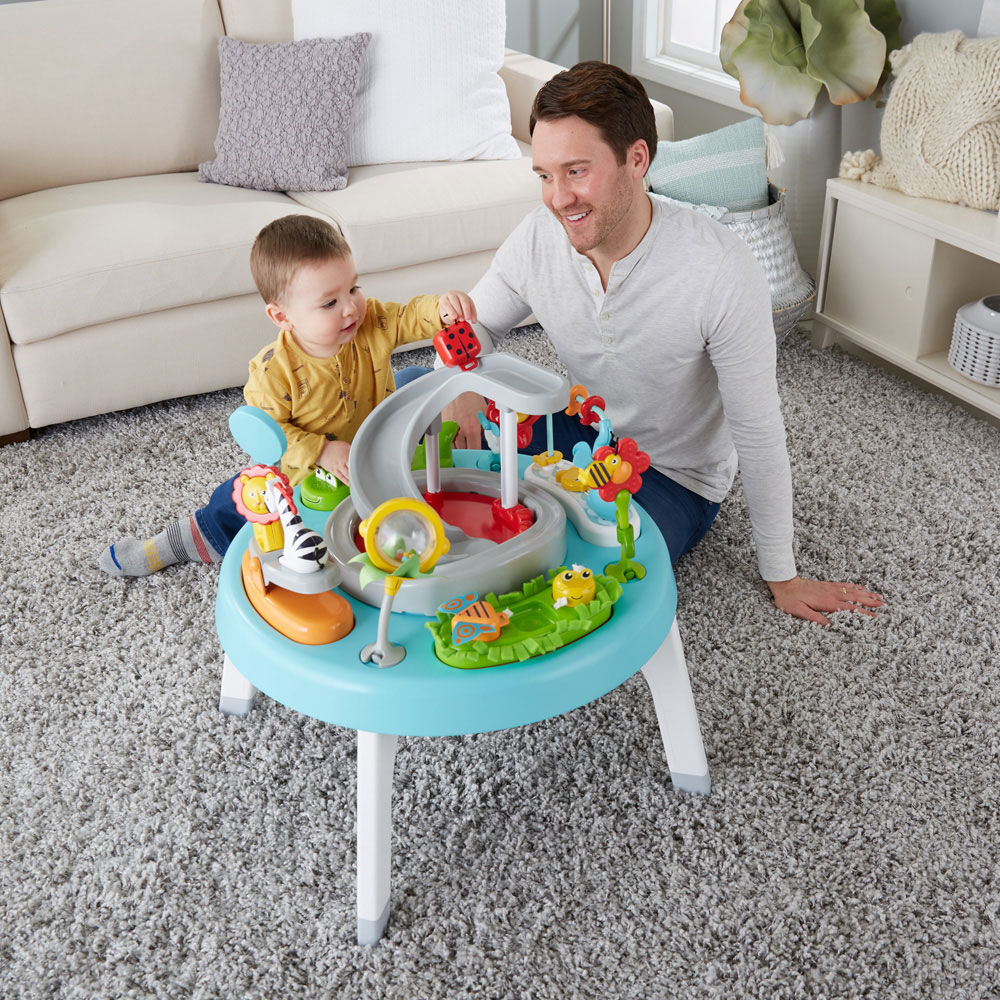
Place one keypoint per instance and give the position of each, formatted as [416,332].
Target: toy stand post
[508,457]
[432,455]
[667,676]
[383,652]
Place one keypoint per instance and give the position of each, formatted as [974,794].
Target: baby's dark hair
[283,246]
[605,96]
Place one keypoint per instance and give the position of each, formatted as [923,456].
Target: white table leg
[667,676]
[237,694]
[376,757]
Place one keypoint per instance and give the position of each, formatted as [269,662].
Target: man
[663,313]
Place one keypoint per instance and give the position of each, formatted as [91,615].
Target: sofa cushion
[74,256]
[430,89]
[105,88]
[286,113]
[394,214]
[141,359]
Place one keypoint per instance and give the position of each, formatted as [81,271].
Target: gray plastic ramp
[382,450]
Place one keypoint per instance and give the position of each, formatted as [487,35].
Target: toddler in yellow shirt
[327,370]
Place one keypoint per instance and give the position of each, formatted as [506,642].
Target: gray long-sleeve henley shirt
[680,346]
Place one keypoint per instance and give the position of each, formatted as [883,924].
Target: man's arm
[744,359]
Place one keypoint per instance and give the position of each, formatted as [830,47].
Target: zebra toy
[304,550]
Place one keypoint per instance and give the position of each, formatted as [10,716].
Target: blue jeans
[219,520]
[682,515]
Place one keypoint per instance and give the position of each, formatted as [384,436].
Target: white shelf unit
[893,272]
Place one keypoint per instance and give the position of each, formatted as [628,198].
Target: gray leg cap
[235,706]
[371,931]
[697,784]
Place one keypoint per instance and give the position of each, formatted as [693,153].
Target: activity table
[422,696]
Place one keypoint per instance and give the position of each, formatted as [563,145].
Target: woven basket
[975,341]
[766,232]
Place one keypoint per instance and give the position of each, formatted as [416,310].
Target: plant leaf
[734,33]
[409,567]
[771,65]
[885,17]
[843,50]
[772,17]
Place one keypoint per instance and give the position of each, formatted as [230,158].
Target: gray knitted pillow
[285,120]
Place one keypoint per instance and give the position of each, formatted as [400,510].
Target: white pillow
[429,89]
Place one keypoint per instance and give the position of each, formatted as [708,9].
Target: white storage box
[975,341]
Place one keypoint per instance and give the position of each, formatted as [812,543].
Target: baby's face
[323,306]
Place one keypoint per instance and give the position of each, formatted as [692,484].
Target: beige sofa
[123,279]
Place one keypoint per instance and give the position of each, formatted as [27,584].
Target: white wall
[562,31]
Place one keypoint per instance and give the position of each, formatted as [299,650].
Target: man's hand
[334,458]
[463,411]
[808,598]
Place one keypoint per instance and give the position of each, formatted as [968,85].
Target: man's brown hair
[607,97]
[283,246]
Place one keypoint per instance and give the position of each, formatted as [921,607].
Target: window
[676,43]
[692,28]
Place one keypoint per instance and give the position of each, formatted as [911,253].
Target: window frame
[649,18]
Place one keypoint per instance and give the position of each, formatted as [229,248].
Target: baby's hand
[334,458]
[454,306]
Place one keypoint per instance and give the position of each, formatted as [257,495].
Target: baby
[328,369]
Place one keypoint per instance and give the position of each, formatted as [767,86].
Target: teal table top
[421,696]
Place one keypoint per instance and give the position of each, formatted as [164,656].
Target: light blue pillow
[725,167]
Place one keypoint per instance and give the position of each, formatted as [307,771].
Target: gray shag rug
[151,847]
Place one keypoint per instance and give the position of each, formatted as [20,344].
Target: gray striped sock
[182,541]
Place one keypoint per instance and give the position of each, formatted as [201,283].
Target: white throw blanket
[941,129]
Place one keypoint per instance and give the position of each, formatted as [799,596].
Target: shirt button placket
[606,337]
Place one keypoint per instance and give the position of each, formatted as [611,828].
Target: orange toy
[576,396]
[311,619]
[474,619]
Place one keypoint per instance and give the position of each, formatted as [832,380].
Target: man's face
[596,199]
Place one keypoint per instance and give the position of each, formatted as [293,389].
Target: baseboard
[15,438]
